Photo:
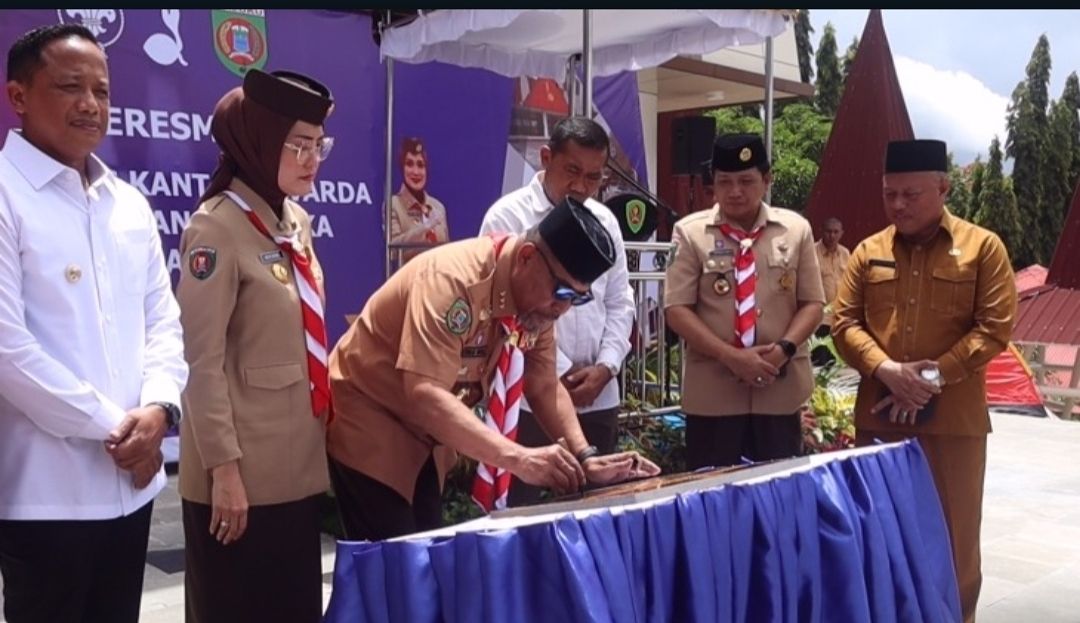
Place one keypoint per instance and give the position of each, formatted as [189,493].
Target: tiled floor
[1031,531]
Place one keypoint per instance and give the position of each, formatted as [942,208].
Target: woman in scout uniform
[416,216]
[252,454]
[744,291]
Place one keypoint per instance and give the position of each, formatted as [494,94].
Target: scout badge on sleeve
[202,261]
[458,317]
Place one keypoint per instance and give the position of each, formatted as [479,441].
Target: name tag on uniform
[719,252]
[474,351]
[271,257]
[883,263]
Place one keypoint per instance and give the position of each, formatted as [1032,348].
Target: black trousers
[720,441]
[601,429]
[372,511]
[83,571]
[273,573]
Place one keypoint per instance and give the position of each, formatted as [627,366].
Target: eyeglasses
[321,149]
[563,291]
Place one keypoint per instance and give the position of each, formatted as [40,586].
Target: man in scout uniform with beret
[457,323]
[924,305]
[744,291]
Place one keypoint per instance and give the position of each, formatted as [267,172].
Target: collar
[765,215]
[825,250]
[502,296]
[409,200]
[40,168]
[948,224]
[287,226]
[536,185]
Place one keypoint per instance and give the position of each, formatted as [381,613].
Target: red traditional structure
[1048,319]
[871,113]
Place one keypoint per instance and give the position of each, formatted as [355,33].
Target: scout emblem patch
[202,261]
[280,273]
[635,215]
[240,38]
[745,154]
[458,317]
[721,286]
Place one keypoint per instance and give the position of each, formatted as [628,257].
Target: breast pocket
[277,376]
[880,297]
[717,279]
[134,254]
[952,290]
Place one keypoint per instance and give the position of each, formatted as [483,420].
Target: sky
[958,68]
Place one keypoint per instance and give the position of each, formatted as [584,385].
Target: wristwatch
[172,412]
[788,347]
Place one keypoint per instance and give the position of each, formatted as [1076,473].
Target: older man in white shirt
[91,355]
[592,339]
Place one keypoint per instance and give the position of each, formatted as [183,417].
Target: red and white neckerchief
[492,484]
[311,309]
[745,284]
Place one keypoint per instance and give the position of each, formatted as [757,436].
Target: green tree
[849,58]
[1026,144]
[959,201]
[976,175]
[829,85]
[803,45]
[997,204]
[799,137]
[1063,153]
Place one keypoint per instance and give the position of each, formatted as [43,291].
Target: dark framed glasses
[563,291]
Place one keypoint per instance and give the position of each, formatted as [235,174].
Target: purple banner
[477,131]
[168,69]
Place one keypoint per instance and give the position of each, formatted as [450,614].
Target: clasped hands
[757,366]
[908,391]
[135,443]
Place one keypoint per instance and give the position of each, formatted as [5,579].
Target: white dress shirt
[89,329]
[599,331]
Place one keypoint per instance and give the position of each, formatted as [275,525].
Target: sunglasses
[563,291]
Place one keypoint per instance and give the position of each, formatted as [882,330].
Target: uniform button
[906,358]
[918,247]
[911,301]
[909,329]
[915,272]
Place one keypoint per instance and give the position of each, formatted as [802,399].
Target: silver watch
[612,368]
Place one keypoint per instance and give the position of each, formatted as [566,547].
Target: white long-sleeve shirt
[599,331]
[89,329]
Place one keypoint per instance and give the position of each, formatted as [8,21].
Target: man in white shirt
[592,339]
[91,355]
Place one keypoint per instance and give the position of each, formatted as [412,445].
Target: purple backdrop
[167,76]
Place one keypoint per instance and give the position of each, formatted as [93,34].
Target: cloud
[953,106]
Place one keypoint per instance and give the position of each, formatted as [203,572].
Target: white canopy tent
[548,42]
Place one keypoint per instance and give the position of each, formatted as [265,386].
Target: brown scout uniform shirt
[247,397]
[952,300]
[437,317]
[787,273]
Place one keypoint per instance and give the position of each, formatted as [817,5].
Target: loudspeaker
[691,144]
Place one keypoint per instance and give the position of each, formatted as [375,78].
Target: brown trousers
[958,463]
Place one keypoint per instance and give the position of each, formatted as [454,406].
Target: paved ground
[1031,531]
